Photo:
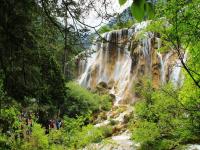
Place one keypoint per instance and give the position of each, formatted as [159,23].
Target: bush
[89,134]
[113,122]
[4,142]
[106,130]
[106,102]
[165,118]
[104,29]
[37,139]
[117,26]
[80,101]
[145,132]
[77,135]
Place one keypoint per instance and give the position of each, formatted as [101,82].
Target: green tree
[37,139]
[167,118]
[80,101]
[178,25]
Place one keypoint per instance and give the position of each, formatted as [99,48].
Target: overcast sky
[113,8]
[92,18]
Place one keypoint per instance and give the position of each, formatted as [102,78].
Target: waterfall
[84,79]
[176,75]
[121,62]
[164,64]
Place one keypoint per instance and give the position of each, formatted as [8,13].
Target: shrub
[37,139]
[104,29]
[164,118]
[145,131]
[106,102]
[113,122]
[106,130]
[80,101]
[90,134]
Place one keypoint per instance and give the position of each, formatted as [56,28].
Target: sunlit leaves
[137,9]
[150,10]
[122,2]
[141,9]
[145,131]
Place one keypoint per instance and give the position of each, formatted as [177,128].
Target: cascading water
[176,75]
[122,59]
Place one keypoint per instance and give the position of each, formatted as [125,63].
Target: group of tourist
[53,124]
[27,118]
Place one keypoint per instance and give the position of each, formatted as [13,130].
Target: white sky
[92,19]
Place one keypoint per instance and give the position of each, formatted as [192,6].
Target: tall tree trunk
[65,71]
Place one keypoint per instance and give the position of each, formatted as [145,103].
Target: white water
[193,147]
[164,60]
[84,76]
[176,76]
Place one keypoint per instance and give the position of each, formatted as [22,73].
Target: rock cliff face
[123,59]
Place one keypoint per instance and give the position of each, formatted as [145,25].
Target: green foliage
[137,9]
[145,132]
[105,102]
[89,134]
[75,129]
[173,113]
[29,44]
[122,2]
[9,122]
[119,25]
[106,131]
[179,30]
[37,139]
[3,142]
[113,122]
[67,137]
[71,129]
[55,137]
[104,29]
[81,101]
[163,119]
[9,118]
[141,9]
[9,112]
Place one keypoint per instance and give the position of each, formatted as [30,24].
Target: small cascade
[164,63]
[85,76]
[122,59]
[162,69]
[176,75]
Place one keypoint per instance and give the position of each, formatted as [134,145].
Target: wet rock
[111,84]
[102,88]
[114,114]
[118,128]
[102,116]
[126,118]
[103,85]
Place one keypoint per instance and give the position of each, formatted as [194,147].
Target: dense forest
[130,82]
